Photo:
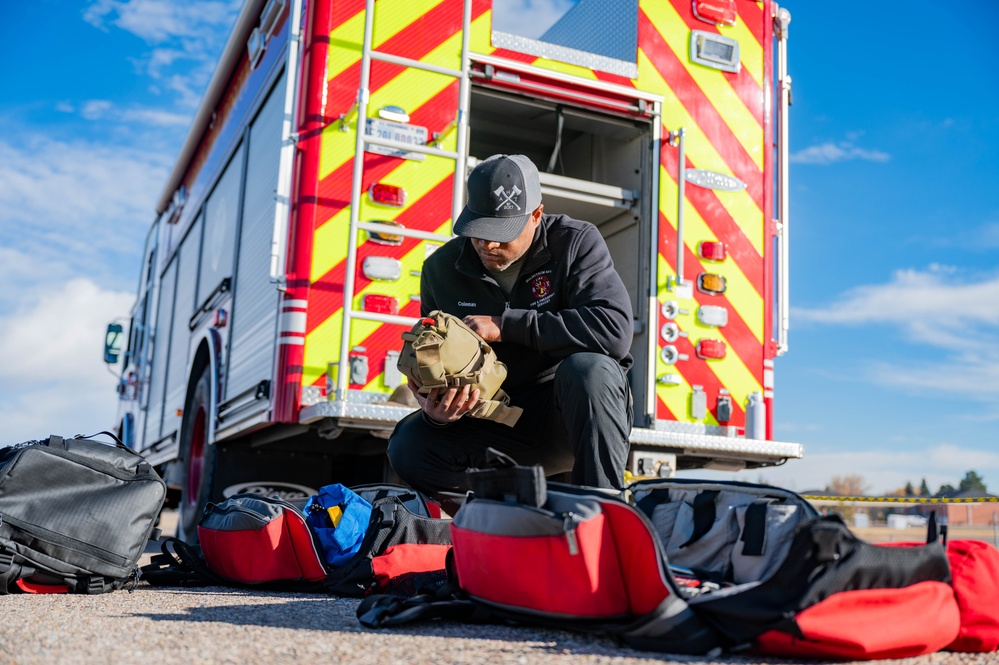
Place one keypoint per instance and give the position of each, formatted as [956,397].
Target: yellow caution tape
[903,499]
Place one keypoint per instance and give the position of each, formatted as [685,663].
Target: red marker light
[380,304]
[711,349]
[712,250]
[719,12]
[388,195]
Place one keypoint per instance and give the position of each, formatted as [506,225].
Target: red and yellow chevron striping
[726,118]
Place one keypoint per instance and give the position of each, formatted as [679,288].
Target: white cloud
[883,470]
[529,18]
[160,59]
[95,109]
[77,205]
[981,238]
[186,37]
[99,110]
[51,370]
[828,153]
[988,236]
[974,376]
[156,118]
[938,308]
[914,301]
[157,21]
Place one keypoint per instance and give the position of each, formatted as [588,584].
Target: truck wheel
[197,459]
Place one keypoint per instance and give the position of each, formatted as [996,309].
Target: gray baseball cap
[503,191]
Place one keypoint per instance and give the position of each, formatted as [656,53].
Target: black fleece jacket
[567,299]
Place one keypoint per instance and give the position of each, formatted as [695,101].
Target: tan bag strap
[497,411]
[428,357]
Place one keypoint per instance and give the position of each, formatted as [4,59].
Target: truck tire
[198,456]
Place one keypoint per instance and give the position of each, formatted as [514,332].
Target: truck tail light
[712,250]
[388,195]
[382,268]
[385,237]
[718,12]
[711,349]
[380,304]
[712,315]
[711,283]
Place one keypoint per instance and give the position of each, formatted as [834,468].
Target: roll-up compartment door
[255,298]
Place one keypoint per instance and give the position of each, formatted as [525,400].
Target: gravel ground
[224,625]
[216,625]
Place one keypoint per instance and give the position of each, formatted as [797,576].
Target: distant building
[964,514]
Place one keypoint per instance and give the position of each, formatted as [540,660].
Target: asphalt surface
[222,625]
[215,625]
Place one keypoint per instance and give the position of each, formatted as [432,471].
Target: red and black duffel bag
[252,540]
[696,566]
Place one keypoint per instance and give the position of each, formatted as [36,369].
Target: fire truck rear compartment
[593,167]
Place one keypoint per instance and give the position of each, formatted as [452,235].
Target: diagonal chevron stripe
[748,82]
[724,117]
[738,334]
[702,150]
[707,219]
[408,88]
[411,253]
[684,99]
[745,127]
[730,373]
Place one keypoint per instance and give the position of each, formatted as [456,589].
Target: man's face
[498,256]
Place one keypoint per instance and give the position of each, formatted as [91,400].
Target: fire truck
[328,159]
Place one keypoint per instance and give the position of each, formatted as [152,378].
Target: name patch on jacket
[541,287]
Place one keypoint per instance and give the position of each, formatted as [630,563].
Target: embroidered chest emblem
[541,286]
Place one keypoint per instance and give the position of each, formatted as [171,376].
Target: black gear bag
[75,515]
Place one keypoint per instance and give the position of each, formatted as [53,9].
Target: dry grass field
[883,534]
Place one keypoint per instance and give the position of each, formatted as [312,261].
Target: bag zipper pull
[570,534]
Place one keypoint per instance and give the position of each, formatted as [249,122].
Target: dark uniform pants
[578,422]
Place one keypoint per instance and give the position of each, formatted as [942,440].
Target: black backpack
[75,515]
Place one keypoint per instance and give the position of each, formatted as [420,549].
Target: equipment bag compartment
[75,514]
[724,532]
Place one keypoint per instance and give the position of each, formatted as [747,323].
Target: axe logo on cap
[505,200]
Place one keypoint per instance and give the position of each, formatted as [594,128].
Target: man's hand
[446,405]
[487,327]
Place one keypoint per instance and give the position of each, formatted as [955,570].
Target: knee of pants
[589,372]
[405,450]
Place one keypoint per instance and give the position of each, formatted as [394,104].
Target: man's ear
[536,214]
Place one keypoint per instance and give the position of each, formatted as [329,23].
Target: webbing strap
[91,585]
[9,573]
[649,502]
[704,515]
[498,410]
[428,357]
[754,531]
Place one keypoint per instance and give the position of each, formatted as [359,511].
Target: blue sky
[893,369]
